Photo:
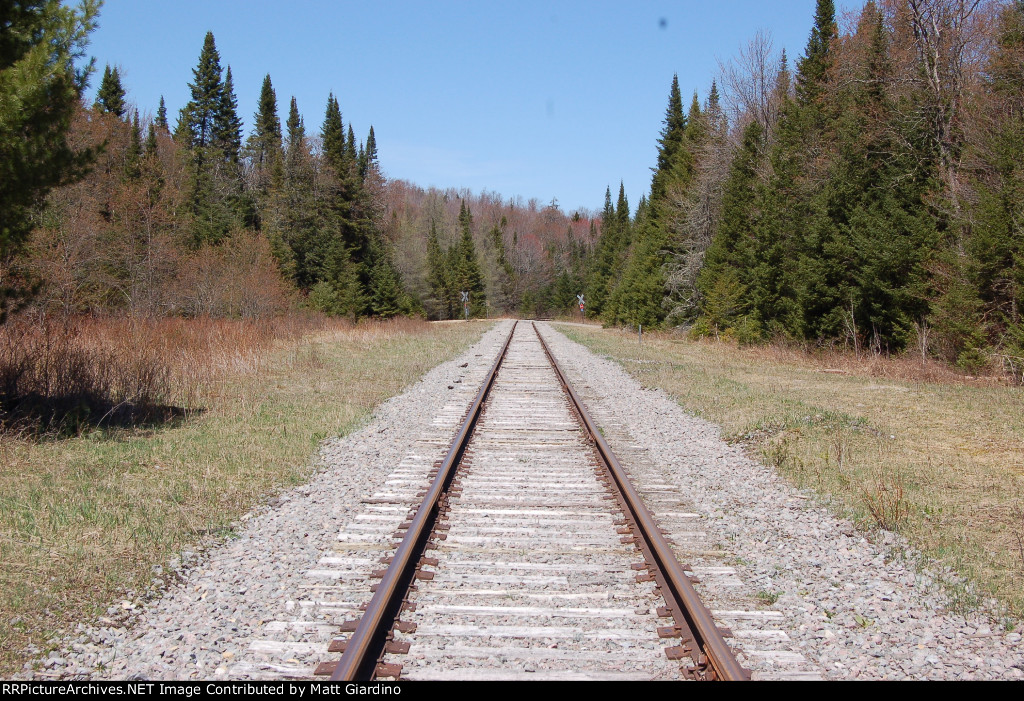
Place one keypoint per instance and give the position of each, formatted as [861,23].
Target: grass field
[905,445]
[83,519]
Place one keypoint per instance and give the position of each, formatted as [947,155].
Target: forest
[192,219]
[866,194]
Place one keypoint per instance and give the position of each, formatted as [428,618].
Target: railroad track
[531,556]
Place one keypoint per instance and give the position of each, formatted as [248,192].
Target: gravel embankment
[852,602]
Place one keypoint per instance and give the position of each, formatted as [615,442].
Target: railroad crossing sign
[465,304]
[582,303]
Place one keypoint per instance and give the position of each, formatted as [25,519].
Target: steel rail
[697,618]
[365,647]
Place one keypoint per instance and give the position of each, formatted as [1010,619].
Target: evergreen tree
[350,145]
[368,156]
[227,125]
[298,228]
[387,295]
[133,156]
[40,90]
[296,129]
[996,246]
[110,97]
[200,115]
[671,140]
[814,66]
[597,281]
[209,129]
[725,278]
[504,275]
[151,143]
[264,143]
[466,275]
[333,135]
[161,116]
[438,276]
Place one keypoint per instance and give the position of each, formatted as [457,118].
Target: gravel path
[852,606]
[849,607]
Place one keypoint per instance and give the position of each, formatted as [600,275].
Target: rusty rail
[365,647]
[693,622]
[712,657]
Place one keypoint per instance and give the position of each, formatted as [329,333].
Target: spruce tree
[725,277]
[111,96]
[438,276]
[600,278]
[671,140]
[350,145]
[466,273]
[133,156]
[207,103]
[815,64]
[333,134]
[161,116]
[296,130]
[209,129]
[227,124]
[265,142]
[368,156]
[151,143]
[996,246]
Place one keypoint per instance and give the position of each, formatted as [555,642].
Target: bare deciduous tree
[750,83]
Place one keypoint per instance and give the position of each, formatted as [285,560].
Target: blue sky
[546,100]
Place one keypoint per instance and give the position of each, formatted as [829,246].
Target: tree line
[870,195]
[199,218]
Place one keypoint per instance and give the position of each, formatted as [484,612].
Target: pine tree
[724,279]
[40,90]
[387,296]
[368,156]
[111,96]
[350,145]
[296,130]
[210,130]
[151,143]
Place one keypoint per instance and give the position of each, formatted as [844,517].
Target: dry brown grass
[84,517]
[61,376]
[897,443]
